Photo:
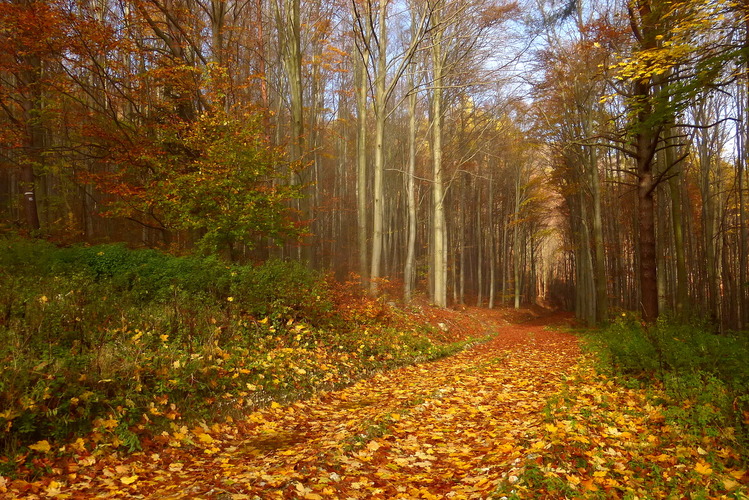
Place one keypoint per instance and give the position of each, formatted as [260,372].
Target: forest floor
[523,415]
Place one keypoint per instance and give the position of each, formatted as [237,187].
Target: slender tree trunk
[601,281]
[361,168]
[460,236]
[681,300]
[505,261]
[439,244]
[34,138]
[516,258]
[292,59]
[479,249]
[379,163]
[492,241]
[289,26]
[408,272]
[744,158]
[743,143]
[709,194]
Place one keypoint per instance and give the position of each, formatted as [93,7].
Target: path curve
[445,429]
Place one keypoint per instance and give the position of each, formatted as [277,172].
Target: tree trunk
[601,282]
[408,271]
[439,244]
[379,163]
[492,240]
[646,140]
[34,137]
[648,264]
[361,167]
[743,143]
[516,259]
[681,299]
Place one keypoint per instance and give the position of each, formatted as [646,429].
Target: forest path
[450,428]
[521,416]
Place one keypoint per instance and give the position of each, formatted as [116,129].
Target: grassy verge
[108,348]
[656,412]
[702,378]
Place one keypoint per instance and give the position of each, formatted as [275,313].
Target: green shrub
[675,347]
[115,344]
[284,290]
[704,375]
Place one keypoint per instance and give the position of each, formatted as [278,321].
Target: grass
[701,377]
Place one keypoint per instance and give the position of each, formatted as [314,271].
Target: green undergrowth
[106,347]
[658,411]
[699,376]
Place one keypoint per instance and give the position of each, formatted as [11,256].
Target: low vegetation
[700,376]
[659,411]
[108,347]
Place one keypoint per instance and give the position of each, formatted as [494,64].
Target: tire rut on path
[445,429]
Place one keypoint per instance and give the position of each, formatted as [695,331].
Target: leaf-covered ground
[521,416]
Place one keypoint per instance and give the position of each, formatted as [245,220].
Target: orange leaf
[703,468]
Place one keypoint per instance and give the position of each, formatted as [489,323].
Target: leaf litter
[523,415]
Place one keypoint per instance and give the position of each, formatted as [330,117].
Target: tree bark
[379,160]
[408,271]
[439,242]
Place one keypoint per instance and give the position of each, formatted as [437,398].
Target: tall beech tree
[384,73]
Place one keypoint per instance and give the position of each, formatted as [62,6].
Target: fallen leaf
[703,468]
[42,446]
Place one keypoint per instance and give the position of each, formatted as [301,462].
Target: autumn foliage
[115,346]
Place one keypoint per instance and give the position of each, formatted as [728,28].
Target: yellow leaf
[164,338]
[573,480]
[42,446]
[53,489]
[738,474]
[275,405]
[8,415]
[373,446]
[206,438]
[129,479]
[703,468]
[730,484]
[109,423]
[538,445]
[79,445]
